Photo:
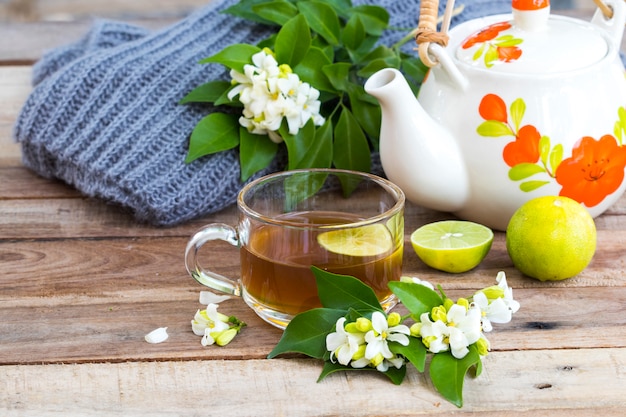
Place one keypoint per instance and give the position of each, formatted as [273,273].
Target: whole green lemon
[551,238]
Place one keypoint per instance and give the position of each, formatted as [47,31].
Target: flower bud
[352,328]
[463,302]
[428,340]
[439,313]
[377,360]
[268,51]
[363,325]
[394,319]
[447,303]
[494,292]
[415,329]
[224,337]
[483,346]
[360,353]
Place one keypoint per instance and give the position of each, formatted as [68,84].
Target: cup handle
[216,231]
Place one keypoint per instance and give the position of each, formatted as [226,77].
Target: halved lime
[452,245]
[369,240]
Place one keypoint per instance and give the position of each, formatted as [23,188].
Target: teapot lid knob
[531,15]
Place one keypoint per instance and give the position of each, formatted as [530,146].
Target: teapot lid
[534,42]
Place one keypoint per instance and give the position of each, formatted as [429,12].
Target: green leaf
[395,375]
[338,74]
[375,18]
[354,33]
[518,108]
[529,186]
[278,12]
[214,133]
[342,7]
[306,333]
[255,152]
[343,292]
[309,148]
[320,150]
[234,56]
[351,150]
[309,69]
[493,128]
[206,93]
[224,100]
[448,373]
[415,352]
[414,68]
[331,368]
[245,10]
[366,113]
[375,65]
[418,299]
[293,41]
[556,157]
[322,19]
[299,187]
[524,170]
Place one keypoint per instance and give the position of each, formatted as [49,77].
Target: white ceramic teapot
[514,107]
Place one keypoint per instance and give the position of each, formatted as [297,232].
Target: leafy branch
[351,308]
[331,45]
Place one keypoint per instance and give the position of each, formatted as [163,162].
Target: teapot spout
[416,152]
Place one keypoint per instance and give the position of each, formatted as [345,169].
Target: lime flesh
[369,240]
[452,245]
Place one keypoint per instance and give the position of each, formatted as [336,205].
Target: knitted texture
[104,113]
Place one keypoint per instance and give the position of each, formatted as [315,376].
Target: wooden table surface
[81,284]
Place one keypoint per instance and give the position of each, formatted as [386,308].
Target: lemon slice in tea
[452,245]
[369,240]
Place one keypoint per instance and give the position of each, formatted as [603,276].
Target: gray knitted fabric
[104,113]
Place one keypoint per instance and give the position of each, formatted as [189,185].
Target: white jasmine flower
[271,93]
[496,303]
[209,319]
[377,339]
[508,292]
[496,311]
[460,329]
[464,329]
[434,334]
[341,344]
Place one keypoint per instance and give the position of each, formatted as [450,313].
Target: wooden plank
[72,10]
[18,182]
[567,383]
[114,291]
[25,43]
[14,89]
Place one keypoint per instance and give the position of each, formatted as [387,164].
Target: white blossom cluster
[271,92]
[453,326]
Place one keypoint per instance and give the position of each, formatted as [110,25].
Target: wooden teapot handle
[427,28]
[606,10]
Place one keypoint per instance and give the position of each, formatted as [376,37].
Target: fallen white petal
[157,335]
[207,297]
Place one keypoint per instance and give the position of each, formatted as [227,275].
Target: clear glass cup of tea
[344,222]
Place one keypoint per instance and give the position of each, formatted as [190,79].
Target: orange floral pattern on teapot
[493,46]
[593,171]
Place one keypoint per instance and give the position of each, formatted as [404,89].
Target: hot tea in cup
[344,222]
